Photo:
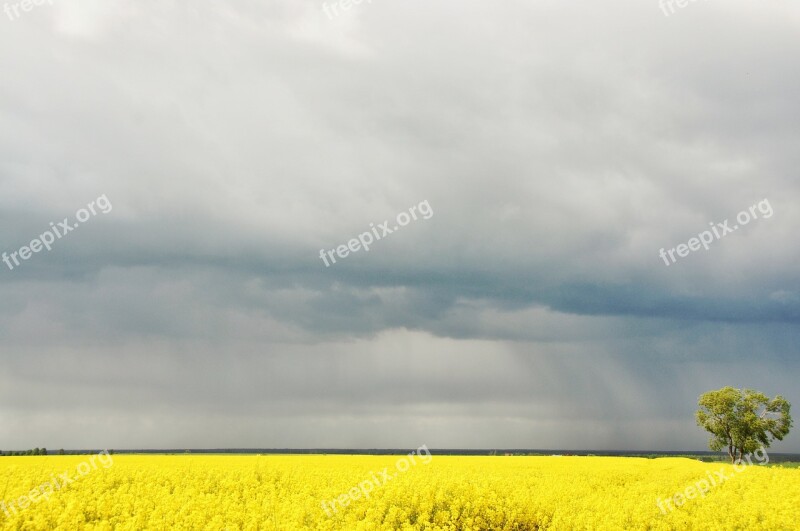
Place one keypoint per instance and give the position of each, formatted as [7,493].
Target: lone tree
[742,420]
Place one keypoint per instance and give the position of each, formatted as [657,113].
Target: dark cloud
[560,147]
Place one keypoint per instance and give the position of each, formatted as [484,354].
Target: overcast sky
[558,145]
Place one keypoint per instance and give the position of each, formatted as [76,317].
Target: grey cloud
[559,145]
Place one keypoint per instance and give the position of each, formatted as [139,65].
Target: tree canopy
[742,421]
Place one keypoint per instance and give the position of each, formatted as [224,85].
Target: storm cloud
[560,146]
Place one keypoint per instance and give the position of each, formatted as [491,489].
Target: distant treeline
[699,455]
[43,451]
[35,451]
[702,456]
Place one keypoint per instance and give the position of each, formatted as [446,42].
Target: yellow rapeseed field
[377,492]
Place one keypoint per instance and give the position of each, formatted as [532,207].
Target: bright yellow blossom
[197,492]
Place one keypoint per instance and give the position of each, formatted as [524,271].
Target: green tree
[742,421]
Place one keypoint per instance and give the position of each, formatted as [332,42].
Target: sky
[515,169]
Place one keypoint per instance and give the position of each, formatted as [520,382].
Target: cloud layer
[559,146]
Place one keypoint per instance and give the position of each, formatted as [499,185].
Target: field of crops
[391,492]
